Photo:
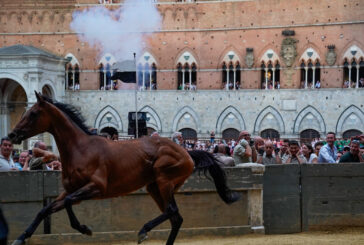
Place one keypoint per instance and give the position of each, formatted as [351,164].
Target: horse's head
[35,121]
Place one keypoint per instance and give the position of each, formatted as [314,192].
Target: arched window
[270,134]
[147,72]
[231,71]
[187,73]
[270,70]
[353,67]
[307,135]
[72,72]
[230,133]
[189,133]
[351,133]
[105,66]
[310,74]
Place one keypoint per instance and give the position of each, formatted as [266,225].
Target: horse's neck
[66,134]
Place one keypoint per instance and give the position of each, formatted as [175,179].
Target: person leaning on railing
[354,155]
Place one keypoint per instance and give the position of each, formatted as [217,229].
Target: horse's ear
[39,97]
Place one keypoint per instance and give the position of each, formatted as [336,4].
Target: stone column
[357,76]
[143,79]
[190,76]
[349,67]
[73,81]
[306,76]
[105,78]
[150,79]
[234,79]
[183,78]
[4,120]
[274,76]
[266,78]
[313,77]
[227,78]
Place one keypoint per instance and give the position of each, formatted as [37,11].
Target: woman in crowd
[307,152]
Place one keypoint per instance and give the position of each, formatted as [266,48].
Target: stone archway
[13,104]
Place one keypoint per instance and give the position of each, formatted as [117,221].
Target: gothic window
[351,133]
[270,134]
[105,72]
[72,73]
[307,135]
[270,70]
[310,74]
[187,73]
[188,133]
[353,67]
[231,71]
[230,133]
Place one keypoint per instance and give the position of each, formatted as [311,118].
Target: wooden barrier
[23,194]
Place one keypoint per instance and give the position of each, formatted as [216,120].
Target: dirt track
[345,237]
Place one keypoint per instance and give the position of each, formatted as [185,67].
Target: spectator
[284,149]
[339,155]
[243,150]
[154,134]
[6,161]
[4,229]
[178,138]
[24,159]
[346,149]
[318,84]
[318,146]
[328,153]
[354,155]
[294,155]
[212,137]
[41,157]
[265,155]
[307,152]
[221,153]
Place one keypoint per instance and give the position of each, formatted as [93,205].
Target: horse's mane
[72,112]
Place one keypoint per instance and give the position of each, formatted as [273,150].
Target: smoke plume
[120,32]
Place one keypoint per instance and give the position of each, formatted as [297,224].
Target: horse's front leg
[87,192]
[53,207]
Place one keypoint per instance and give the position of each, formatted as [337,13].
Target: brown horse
[97,168]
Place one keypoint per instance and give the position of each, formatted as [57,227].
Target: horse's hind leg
[168,206]
[86,192]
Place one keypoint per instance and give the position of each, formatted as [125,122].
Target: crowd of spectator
[271,151]
[230,153]
[39,158]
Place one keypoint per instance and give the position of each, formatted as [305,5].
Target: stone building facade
[212,47]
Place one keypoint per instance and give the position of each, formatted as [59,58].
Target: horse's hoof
[86,230]
[142,237]
[18,242]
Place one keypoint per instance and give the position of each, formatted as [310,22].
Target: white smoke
[120,32]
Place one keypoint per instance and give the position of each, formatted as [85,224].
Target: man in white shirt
[6,161]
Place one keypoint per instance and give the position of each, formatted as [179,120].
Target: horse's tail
[206,161]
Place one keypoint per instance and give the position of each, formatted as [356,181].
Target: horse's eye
[33,114]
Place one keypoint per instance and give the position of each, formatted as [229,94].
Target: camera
[251,142]
[261,151]
[276,150]
[30,152]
